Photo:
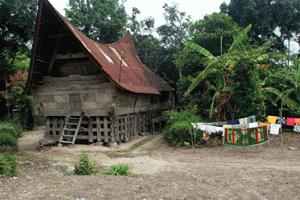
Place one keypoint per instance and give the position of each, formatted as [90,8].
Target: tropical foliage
[221,67]
[178,131]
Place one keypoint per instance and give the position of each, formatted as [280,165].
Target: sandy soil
[161,172]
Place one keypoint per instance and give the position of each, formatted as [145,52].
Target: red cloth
[290,121]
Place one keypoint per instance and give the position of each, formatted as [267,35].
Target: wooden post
[90,129]
[112,129]
[61,125]
[281,132]
[54,128]
[117,132]
[47,127]
[105,130]
[98,129]
[126,129]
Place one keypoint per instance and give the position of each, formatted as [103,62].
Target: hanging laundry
[245,136]
[290,121]
[232,122]
[297,128]
[275,129]
[243,121]
[207,128]
[272,119]
[297,121]
[253,125]
[251,119]
[282,120]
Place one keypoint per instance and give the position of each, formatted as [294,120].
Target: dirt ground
[160,171]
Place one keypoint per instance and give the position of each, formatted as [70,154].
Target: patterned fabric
[246,136]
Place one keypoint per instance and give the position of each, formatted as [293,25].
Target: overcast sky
[196,8]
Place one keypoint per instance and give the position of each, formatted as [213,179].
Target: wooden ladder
[70,130]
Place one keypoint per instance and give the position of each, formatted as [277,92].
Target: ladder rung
[69,136]
[67,142]
[69,123]
[67,129]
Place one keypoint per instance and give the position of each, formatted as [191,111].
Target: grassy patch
[118,170]
[8,165]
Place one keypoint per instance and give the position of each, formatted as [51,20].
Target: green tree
[232,78]
[151,51]
[174,31]
[16,30]
[214,32]
[270,18]
[16,33]
[102,20]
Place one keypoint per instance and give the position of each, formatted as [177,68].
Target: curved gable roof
[119,61]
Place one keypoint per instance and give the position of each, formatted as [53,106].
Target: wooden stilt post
[105,130]
[90,129]
[281,132]
[98,129]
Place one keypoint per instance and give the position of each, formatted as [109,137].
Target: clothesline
[289,121]
[243,123]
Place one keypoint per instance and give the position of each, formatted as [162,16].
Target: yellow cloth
[297,121]
[272,119]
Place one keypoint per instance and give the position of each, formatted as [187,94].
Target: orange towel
[297,121]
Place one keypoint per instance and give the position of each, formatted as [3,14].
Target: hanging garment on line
[253,125]
[272,119]
[245,136]
[275,129]
[247,120]
[233,122]
[243,121]
[282,120]
[290,121]
[207,128]
[297,121]
[297,128]
[251,119]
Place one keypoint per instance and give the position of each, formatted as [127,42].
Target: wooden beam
[70,56]
[43,61]
[54,55]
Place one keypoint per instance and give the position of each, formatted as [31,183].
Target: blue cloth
[233,122]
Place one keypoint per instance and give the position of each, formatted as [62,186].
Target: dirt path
[161,172]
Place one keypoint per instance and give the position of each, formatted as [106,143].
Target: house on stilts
[88,91]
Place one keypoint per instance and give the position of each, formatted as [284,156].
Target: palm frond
[240,38]
[283,97]
[206,72]
[212,106]
[200,50]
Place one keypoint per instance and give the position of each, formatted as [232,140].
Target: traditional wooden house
[90,91]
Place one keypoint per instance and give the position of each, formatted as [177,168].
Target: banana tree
[220,71]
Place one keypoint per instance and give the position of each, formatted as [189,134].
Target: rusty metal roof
[121,63]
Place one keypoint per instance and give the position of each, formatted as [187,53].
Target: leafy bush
[8,165]
[85,166]
[118,170]
[178,131]
[12,128]
[7,140]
